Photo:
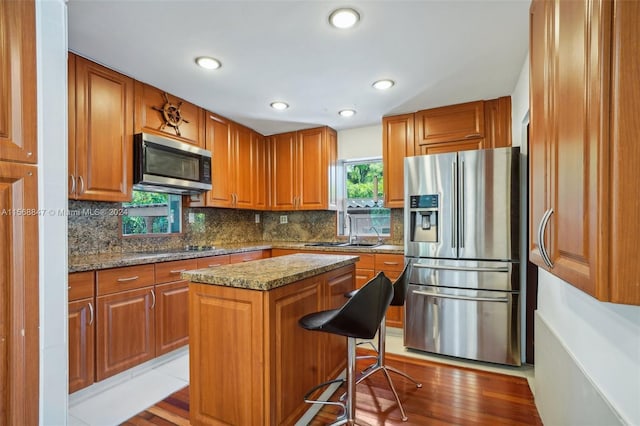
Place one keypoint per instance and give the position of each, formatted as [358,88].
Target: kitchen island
[249,361]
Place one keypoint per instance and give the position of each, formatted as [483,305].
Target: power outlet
[284,219]
[192,218]
[257,217]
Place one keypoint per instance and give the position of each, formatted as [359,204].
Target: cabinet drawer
[170,271]
[389,262]
[366,260]
[125,278]
[248,256]
[81,285]
[213,261]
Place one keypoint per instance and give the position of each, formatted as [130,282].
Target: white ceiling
[438,52]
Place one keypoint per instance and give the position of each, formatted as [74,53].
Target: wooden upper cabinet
[260,166]
[497,122]
[583,149]
[151,115]
[243,173]
[101,141]
[450,123]
[18,115]
[440,148]
[302,169]
[397,143]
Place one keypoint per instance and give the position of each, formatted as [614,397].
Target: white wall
[602,338]
[363,142]
[51,44]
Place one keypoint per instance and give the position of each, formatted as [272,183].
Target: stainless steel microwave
[166,165]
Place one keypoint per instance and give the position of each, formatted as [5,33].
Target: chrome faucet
[352,238]
[373,228]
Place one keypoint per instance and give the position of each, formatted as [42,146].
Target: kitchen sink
[362,245]
[327,244]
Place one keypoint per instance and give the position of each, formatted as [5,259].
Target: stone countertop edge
[115,260]
[270,273]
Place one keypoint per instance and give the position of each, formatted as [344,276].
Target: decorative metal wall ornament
[171,114]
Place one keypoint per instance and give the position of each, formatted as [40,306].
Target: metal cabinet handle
[122,280]
[541,231]
[391,263]
[81,180]
[471,299]
[462,268]
[177,271]
[73,184]
[153,295]
[91,316]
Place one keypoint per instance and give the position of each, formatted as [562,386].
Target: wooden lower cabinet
[250,361]
[248,256]
[172,316]
[81,330]
[125,330]
[213,261]
[392,266]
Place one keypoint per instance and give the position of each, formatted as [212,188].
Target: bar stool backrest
[400,287]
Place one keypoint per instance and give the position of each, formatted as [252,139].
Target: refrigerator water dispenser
[424,218]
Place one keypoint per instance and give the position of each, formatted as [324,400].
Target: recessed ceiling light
[383,84]
[208,62]
[347,112]
[279,105]
[344,18]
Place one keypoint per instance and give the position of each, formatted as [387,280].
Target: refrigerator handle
[462,213]
[462,268]
[456,297]
[454,203]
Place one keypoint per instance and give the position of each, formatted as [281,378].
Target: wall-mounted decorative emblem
[171,114]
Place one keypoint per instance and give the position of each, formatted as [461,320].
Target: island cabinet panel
[250,361]
[225,356]
[150,116]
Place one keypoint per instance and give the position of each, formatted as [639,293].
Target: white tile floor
[117,399]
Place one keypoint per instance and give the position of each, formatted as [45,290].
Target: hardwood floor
[449,396]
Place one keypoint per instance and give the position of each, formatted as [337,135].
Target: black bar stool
[400,288]
[359,318]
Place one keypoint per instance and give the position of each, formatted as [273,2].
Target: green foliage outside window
[361,178]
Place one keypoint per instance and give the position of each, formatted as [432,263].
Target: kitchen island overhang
[249,361]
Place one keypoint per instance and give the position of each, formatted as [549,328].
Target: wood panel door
[150,116]
[450,123]
[296,355]
[81,344]
[219,142]
[497,122]
[283,172]
[311,169]
[103,142]
[172,316]
[125,334]
[397,143]
[243,173]
[18,115]
[260,166]
[19,313]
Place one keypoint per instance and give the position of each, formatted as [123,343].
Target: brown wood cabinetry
[150,118]
[450,123]
[81,330]
[397,143]
[100,132]
[392,266]
[239,166]
[302,169]
[19,318]
[248,256]
[583,152]
[18,131]
[212,261]
[462,127]
[269,360]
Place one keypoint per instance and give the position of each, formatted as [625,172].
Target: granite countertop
[115,260]
[267,274]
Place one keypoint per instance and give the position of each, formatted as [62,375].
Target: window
[363,213]
[152,213]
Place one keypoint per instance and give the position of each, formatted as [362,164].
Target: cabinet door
[497,122]
[397,143]
[311,169]
[172,316]
[243,173]
[104,133]
[260,166]
[18,293]
[450,123]
[81,344]
[125,335]
[218,136]
[332,159]
[18,131]
[440,148]
[185,123]
[283,178]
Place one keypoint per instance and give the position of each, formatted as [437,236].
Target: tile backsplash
[101,232]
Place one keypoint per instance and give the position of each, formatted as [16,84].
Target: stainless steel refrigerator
[462,230]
